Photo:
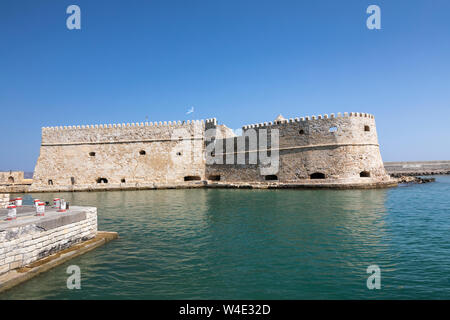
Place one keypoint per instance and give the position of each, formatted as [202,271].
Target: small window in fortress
[366,128]
[122,180]
[302,131]
[317,175]
[142,152]
[50,182]
[191,178]
[214,178]
[72,180]
[365,174]
[102,180]
[92,154]
[271,177]
[178,153]
[10,180]
[333,129]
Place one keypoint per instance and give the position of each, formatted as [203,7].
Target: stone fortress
[336,151]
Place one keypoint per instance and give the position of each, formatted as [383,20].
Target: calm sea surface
[255,244]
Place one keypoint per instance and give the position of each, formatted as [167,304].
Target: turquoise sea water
[261,244]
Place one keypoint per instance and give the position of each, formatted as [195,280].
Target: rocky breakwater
[414,179]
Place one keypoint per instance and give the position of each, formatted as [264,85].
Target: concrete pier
[32,244]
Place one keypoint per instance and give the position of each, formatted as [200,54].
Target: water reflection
[268,244]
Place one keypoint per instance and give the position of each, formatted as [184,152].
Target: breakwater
[413,168]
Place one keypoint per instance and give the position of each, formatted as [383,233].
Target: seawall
[32,244]
[413,168]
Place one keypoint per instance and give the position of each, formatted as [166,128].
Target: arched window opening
[214,178]
[11,180]
[301,131]
[317,175]
[72,180]
[123,180]
[102,180]
[178,153]
[192,178]
[366,128]
[365,174]
[142,152]
[50,182]
[271,177]
[92,154]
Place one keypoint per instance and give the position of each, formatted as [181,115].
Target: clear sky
[241,61]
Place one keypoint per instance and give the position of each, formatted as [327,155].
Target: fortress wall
[337,163]
[11,177]
[172,152]
[316,130]
[307,146]
[119,132]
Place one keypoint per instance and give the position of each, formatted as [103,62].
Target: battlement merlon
[342,129]
[309,119]
[103,133]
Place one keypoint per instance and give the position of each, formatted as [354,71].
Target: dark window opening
[50,182]
[102,180]
[302,131]
[142,152]
[365,174]
[191,178]
[10,180]
[178,153]
[366,128]
[214,178]
[271,177]
[317,175]
[122,180]
[92,154]
[72,180]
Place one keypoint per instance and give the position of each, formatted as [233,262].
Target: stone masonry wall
[307,146]
[343,148]
[4,200]
[27,243]
[124,155]
[11,177]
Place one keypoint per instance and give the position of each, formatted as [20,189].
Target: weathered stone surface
[342,149]
[11,177]
[4,200]
[30,238]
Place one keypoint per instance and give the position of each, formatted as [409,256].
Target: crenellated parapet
[126,132]
[323,130]
[338,148]
[309,118]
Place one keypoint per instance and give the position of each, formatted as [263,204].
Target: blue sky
[241,61]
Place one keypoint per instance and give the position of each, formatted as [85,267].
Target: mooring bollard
[18,202]
[12,212]
[56,203]
[62,206]
[40,209]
